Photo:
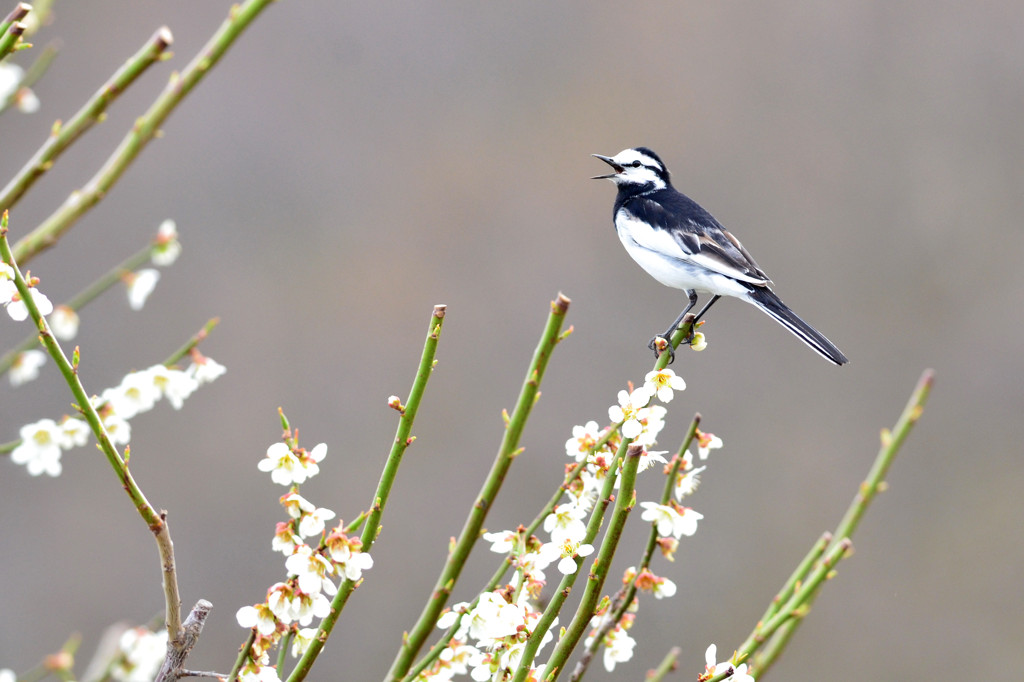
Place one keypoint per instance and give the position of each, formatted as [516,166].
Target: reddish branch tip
[561,303]
[163,35]
[19,12]
[439,310]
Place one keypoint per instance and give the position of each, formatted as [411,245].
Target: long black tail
[767,301]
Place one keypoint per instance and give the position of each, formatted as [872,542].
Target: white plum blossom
[739,673]
[312,569]
[258,673]
[569,551]
[662,383]
[119,431]
[458,658]
[663,588]
[669,521]
[699,342]
[583,440]
[74,432]
[503,541]
[205,370]
[140,285]
[649,458]
[39,449]
[258,616]
[63,323]
[26,366]
[296,505]
[7,675]
[285,540]
[174,384]
[310,606]
[7,287]
[313,523]
[630,411]
[282,602]
[303,638]
[353,567]
[292,467]
[493,618]
[135,394]
[11,77]
[166,248]
[654,416]
[706,442]
[565,523]
[687,483]
[448,618]
[142,653]
[618,648]
[17,309]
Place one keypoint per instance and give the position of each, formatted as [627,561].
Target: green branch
[12,29]
[62,135]
[509,449]
[145,129]
[19,12]
[371,529]
[621,602]
[154,520]
[624,501]
[794,600]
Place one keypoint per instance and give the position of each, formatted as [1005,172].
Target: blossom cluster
[490,634]
[311,566]
[43,442]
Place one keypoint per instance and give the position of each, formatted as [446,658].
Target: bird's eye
[635,164]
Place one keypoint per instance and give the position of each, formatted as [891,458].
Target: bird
[682,246]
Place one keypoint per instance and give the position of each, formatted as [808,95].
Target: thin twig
[507,452]
[146,127]
[62,135]
[371,529]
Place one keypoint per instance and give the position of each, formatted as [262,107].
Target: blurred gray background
[349,165]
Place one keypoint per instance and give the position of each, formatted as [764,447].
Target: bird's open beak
[608,160]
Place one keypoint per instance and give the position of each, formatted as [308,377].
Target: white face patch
[638,169]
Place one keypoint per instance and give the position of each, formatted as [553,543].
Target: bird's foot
[661,344]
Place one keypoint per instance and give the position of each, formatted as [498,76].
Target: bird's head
[638,168]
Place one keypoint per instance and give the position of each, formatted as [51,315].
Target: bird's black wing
[685,230]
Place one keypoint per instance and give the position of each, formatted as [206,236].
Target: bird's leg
[705,309]
[653,345]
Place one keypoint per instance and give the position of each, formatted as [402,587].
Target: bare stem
[155,521]
[624,501]
[371,529]
[11,36]
[786,611]
[622,600]
[507,452]
[62,135]
[145,129]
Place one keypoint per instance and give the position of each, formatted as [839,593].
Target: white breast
[661,256]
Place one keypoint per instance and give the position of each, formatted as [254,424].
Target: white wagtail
[679,244]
